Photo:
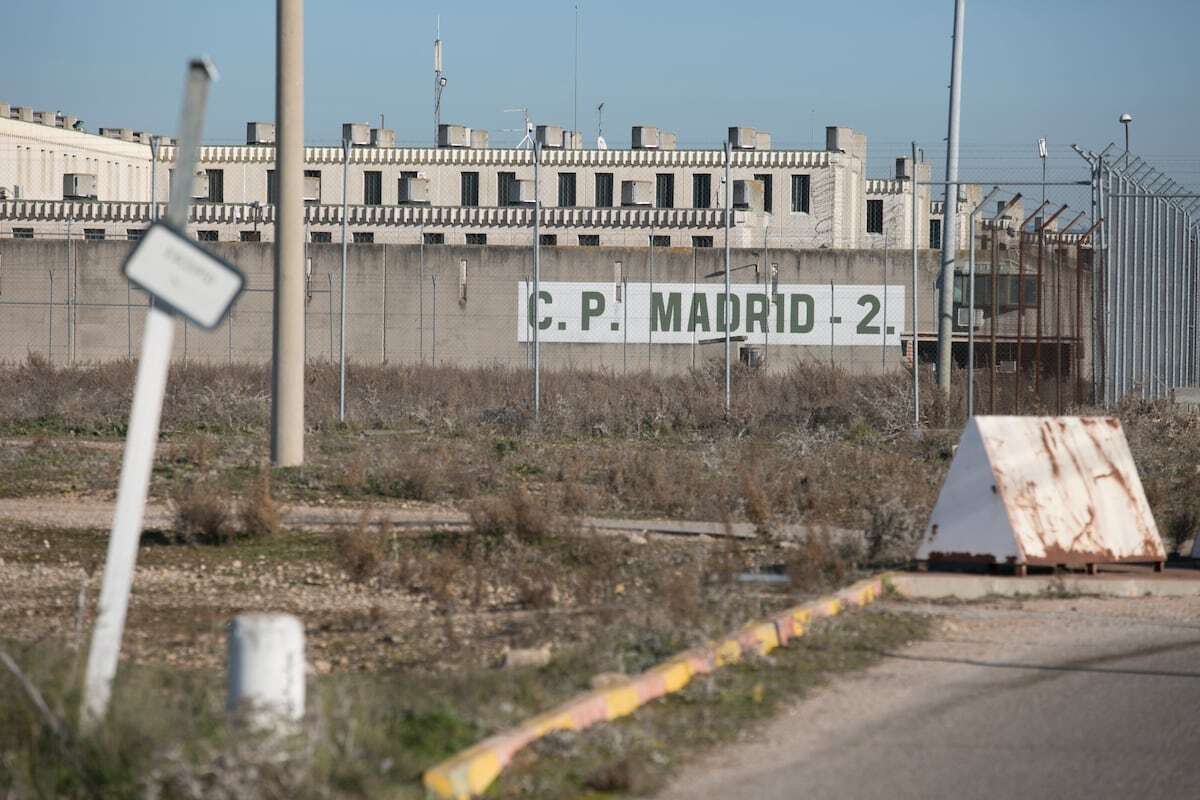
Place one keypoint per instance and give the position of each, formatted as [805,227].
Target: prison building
[54,175]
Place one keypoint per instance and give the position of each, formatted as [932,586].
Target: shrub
[258,513]
[201,516]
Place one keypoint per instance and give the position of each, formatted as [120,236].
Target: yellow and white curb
[470,772]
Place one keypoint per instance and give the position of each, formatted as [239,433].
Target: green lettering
[593,306]
[777,299]
[546,322]
[807,301]
[665,317]
[698,318]
[756,311]
[733,303]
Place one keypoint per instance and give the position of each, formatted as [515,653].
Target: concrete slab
[932,586]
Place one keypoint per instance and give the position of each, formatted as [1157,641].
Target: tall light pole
[439,82]
[950,209]
[287,364]
[1125,120]
[1043,151]
[342,315]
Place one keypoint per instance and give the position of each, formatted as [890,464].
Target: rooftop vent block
[260,133]
[358,133]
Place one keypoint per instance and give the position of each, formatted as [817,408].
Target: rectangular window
[372,188]
[549,239]
[589,240]
[433,238]
[134,234]
[660,241]
[566,189]
[503,187]
[272,188]
[664,190]
[701,190]
[874,216]
[604,190]
[251,236]
[22,233]
[477,238]
[364,237]
[93,234]
[216,185]
[470,189]
[935,234]
[206,236]
[801,193]
[322,237]
[768,183]
[702,241]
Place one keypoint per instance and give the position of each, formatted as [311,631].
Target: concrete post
[287,366]
[266,668]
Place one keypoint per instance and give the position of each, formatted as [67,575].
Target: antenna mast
[439,82]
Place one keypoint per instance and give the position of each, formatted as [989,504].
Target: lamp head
[1126,119]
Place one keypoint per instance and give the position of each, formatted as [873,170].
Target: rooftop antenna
[575,123]
[600,143]
[528,140]
[439,81]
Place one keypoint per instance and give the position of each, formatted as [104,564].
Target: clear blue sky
[1064,69]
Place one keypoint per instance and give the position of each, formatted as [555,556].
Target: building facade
[55,176]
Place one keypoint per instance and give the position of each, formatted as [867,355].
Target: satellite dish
[601,144]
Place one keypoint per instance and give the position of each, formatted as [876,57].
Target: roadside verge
[471,771]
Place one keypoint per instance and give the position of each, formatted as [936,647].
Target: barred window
[589,240]
[251,236]
[322,237]
[604,190]
[702,241]
[660,241]
[364,237]
[874,216]
[372,188]
[664,190]
[503,187]
[935,234]
[216,185]
[701,190]
[477,238]
[433,238]
[206,236]
[93,234]
[801,192]
[470,189]
[566,189]
[548,239]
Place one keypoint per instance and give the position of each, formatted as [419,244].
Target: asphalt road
[1081,698]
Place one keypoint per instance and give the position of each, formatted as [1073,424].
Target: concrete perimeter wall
[406,304]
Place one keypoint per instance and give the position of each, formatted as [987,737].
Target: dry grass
[201,514]
[258,512]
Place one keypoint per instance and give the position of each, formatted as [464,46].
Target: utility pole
[342,316]
[287,365]
[728,302]
[950,209]
[439,82]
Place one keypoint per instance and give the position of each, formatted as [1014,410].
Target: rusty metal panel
[1043,490]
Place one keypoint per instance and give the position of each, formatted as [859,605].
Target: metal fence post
[537,282]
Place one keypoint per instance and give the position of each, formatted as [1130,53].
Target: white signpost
[181,278]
